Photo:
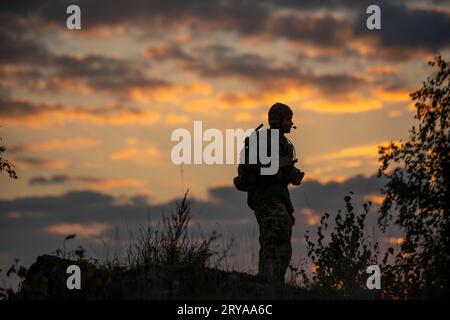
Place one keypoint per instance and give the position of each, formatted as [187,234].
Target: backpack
[247,173]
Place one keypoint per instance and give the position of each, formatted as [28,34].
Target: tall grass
[171,244]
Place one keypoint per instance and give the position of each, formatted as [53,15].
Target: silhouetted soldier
[268,197]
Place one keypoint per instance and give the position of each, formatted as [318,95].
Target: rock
[47,277]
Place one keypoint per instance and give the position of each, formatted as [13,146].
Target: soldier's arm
[296,176]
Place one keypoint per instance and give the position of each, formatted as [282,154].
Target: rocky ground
[47,277]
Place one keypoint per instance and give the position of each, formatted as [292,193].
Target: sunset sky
[86,115]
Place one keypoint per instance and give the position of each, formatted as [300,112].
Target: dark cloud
[16,41]
[218,61]
[326,31]
[77,206]
[226,202]
[245,16]
[58,179]
[265,72]
[406,31]
[95,71]
[402,26]
[335,84]
[415,28]
[104,73]
[23,221]
[17,109]
[61,179]
[248,66]
[36,162]
[14,48]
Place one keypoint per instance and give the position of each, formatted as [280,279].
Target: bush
[340,259]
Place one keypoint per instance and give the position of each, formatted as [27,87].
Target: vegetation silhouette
[5,165]
[340,263]
[418,190]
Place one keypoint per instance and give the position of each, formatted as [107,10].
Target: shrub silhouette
[340,256]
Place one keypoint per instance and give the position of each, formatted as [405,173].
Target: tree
[6,165]
[417,190]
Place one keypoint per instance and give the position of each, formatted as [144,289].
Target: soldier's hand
[286,161]
[297,177]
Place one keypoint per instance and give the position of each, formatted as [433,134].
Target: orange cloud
[119,117]
[152,152]
[12,70]
[173,94]
[125,154]
[394,114]
[364,47]
[137,154]
[291,93]
[81,230]
[174,119]
[375,198]
[42,115]
[75,143]
[93,32]
[104,31]
[245,101]
[200,106]
[324,177]
[412,107]
[312,218]
[243,117]
[118,183]
[306,97]
[391,95]
[351,164]
[395,240]
[132,141]
[380,70]
[198,99]
[362,151]
[349,104]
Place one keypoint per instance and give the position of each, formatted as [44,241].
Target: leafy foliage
[20,272]
[6,165]
[340,257]
[418,173]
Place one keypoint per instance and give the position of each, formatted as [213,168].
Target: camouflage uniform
[275,225]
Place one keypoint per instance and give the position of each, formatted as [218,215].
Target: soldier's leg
[275,239]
